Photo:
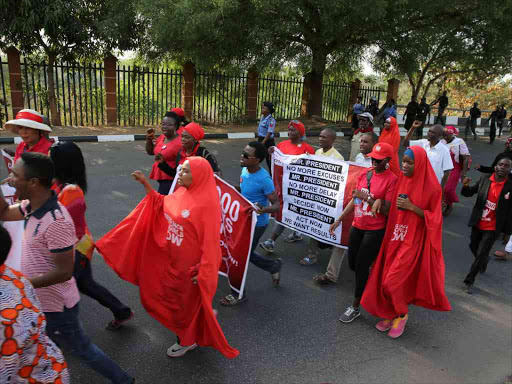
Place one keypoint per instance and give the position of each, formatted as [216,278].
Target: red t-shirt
[169,151]
[382,186]
[291,149]
[42,146]
[488,219]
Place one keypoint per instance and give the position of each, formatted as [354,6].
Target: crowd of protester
[393,200]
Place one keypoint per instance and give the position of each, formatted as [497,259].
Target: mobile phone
[403,196]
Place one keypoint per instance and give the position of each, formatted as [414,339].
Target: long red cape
[410,266]
[392,137]
[164,242]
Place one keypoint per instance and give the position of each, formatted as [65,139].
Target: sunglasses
[377,160]
[247,156]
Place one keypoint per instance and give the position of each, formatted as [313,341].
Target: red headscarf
[195,130]
[410,265]
[163,243]
[298,126]
[392,137]
[179,111]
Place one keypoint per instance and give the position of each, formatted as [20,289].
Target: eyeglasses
[247,156]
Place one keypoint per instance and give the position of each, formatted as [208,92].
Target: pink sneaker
[398,327]
[384,325]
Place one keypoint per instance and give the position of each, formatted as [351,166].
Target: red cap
[381,151]
[179,111]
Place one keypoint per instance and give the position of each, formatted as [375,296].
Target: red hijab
[392,137]
[410,266]
[162,244]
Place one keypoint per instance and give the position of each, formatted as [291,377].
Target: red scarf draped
[392,137]
[410,266]
[163,243]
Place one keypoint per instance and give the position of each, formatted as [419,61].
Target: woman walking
[410,266]
[391,134]
[71,187]
[167,146]
[461,159]
[371,201]
[170,247]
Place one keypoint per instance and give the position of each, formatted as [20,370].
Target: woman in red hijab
[410,265]
[191,137]
[170,248]
[391,134]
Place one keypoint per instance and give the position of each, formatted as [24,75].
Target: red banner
[9,161]
[236,233]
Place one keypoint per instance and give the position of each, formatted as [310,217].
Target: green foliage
[449,38]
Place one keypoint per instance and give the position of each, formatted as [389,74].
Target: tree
[446,39]
[315,35]
[67,30]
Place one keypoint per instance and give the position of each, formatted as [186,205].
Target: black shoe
[468,289]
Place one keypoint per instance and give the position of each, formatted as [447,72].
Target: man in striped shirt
[48,260]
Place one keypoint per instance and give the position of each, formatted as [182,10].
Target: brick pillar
[393,85]
[306,94]
[110,63]
[252,94]
[354,92]
[14,64]
[187,90]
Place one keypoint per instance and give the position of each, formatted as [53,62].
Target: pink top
[49,229]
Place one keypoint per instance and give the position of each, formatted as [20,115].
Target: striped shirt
[48,230]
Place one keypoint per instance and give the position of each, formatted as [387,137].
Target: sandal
[308,261]
[231,301]
[323,279]
[500,255]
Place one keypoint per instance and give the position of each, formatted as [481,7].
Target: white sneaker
[178,350]
[268,245]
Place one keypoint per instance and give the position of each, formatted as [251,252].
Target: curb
[125,138]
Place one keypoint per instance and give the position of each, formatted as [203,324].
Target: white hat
[27,118]
[367,115]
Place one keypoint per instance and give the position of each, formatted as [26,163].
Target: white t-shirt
[439,156]
[457,147]
[363,160]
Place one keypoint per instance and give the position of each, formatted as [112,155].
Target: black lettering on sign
[312,197]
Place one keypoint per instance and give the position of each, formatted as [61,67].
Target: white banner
[313,189]
[15,229]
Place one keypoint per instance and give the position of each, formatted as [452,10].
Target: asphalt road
[292,334]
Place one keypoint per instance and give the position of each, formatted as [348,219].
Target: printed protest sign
[313,191]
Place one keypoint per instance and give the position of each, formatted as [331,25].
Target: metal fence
[78,89]
[5,93]
[284,92]
[145,94]
[335,101]
[220,98]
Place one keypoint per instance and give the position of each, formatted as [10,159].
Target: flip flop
[231,301]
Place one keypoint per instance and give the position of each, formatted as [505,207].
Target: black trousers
[88,286]
[269,143]
[470,124]
[164,186]
[492,133]
[408,122]
[480,243]
[363,249]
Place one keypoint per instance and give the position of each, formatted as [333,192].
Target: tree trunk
[54,112]
[316,84]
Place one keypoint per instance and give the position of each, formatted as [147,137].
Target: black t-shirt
[423,111]
[475,113]
[412,109]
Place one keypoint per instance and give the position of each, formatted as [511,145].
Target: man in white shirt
[438,153]
[366,143]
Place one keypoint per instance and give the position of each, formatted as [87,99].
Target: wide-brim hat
[27,118]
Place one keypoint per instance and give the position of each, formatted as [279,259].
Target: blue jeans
[65,329]
[265,263]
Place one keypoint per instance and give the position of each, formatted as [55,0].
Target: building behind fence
[138,96]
